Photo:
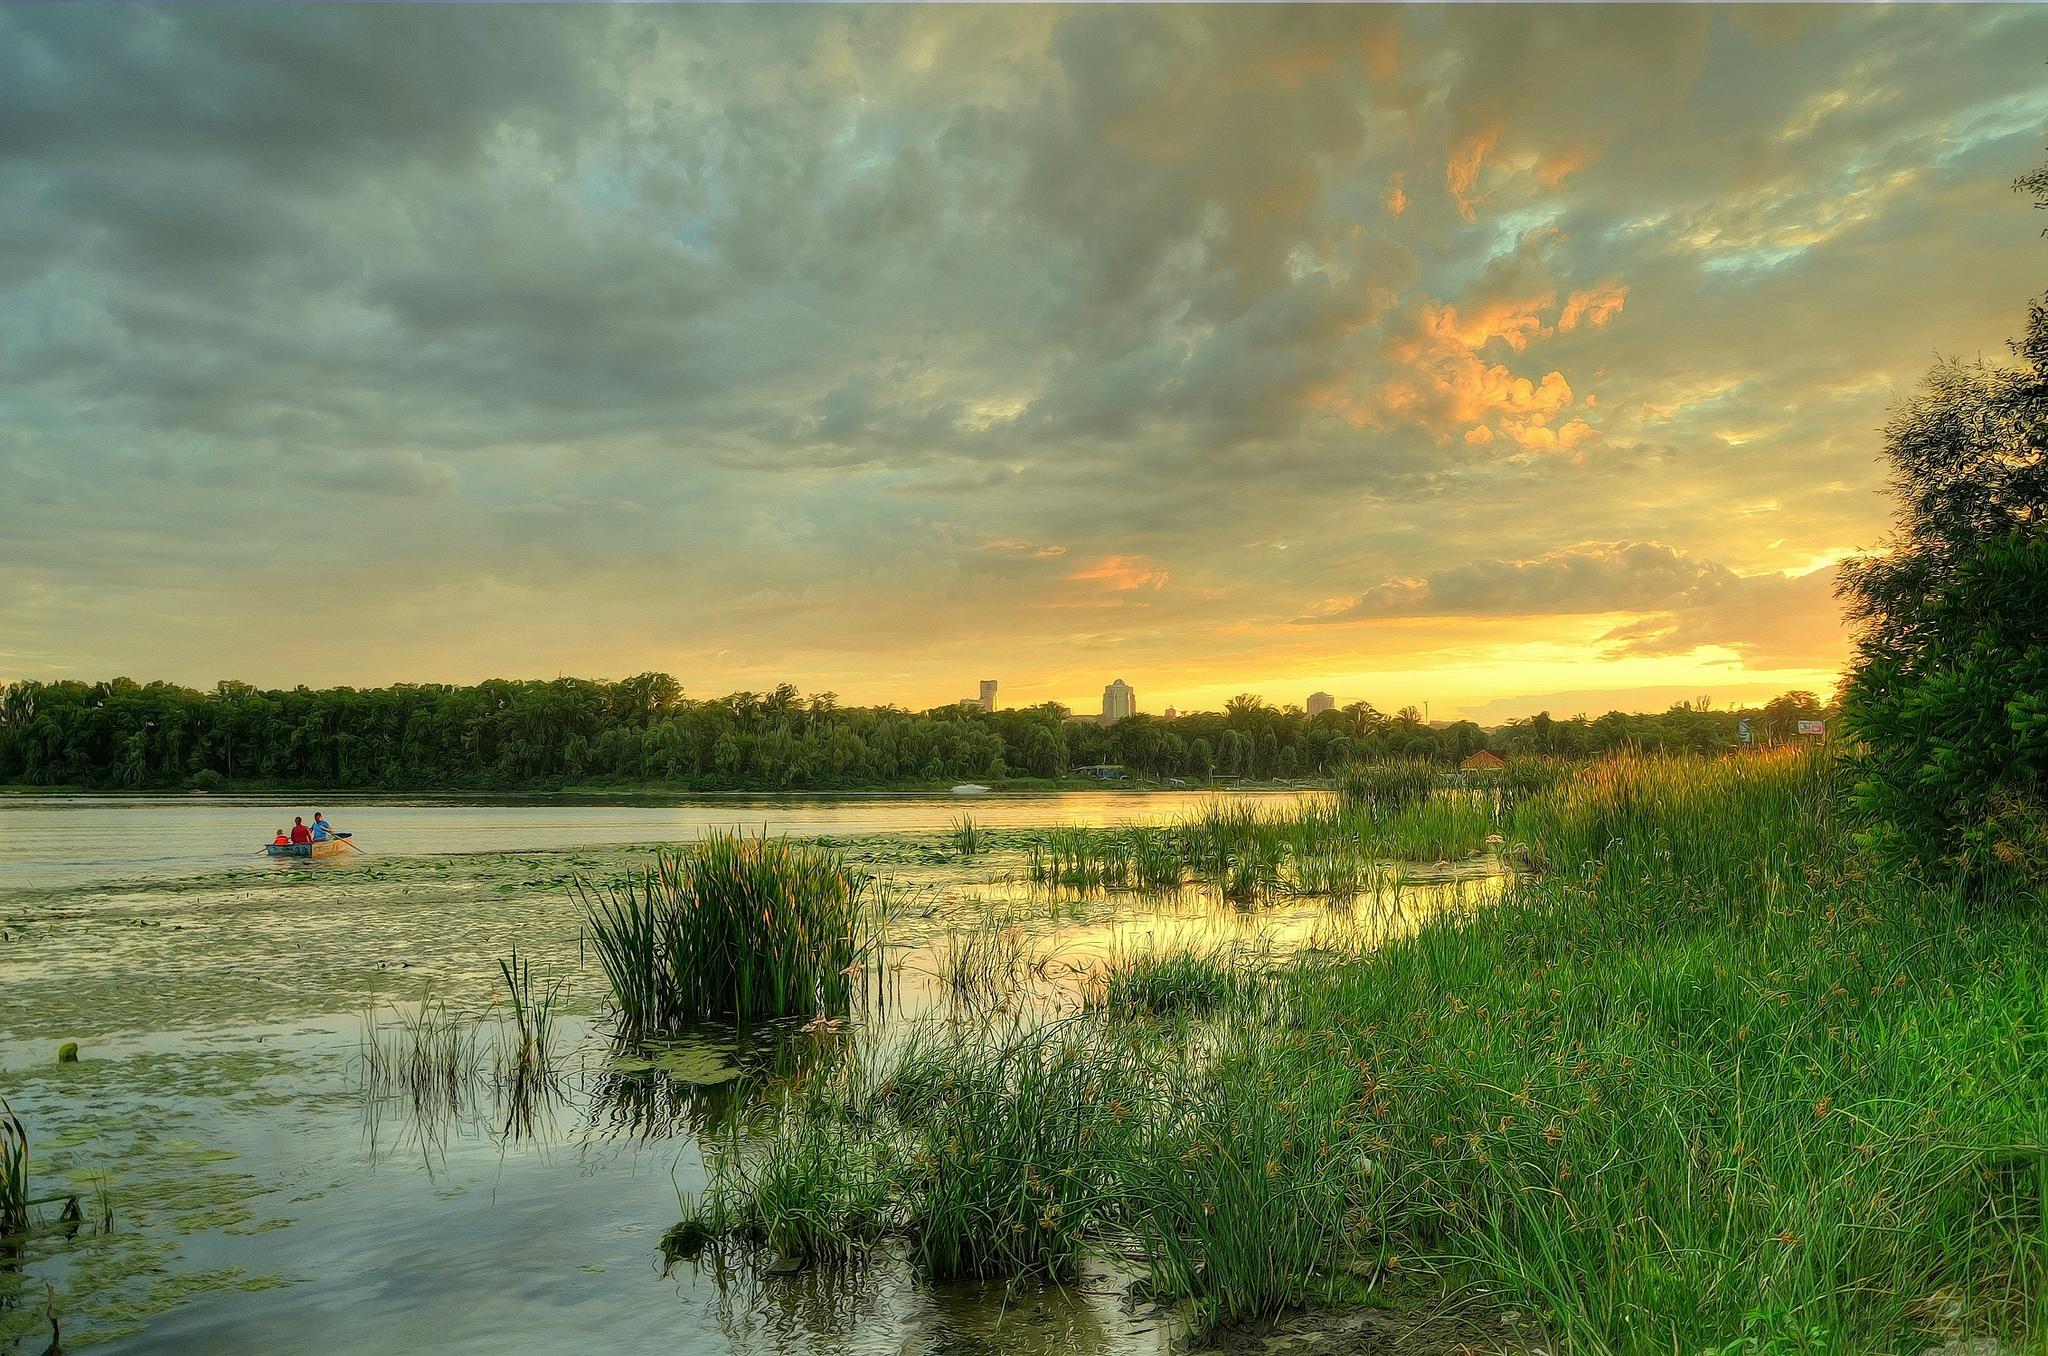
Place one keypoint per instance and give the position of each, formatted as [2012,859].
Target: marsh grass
[427,1054]
[1249,853]
[522,1054]
[1705,1084]
[1382,790]
[17,1201]
[1173,984]
[734,926]
[967,837]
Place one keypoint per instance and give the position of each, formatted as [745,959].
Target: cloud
[1120,574]
[747,318]
[1587,578]
[1013,546]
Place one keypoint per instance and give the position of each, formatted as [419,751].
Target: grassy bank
[1703,1084]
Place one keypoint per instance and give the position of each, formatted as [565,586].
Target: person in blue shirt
[322,830]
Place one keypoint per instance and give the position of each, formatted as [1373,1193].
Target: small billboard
[1813,727]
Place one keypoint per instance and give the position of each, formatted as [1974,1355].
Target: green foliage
[642,731]
[734,926]
[1952,658]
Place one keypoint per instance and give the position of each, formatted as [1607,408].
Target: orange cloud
[1461,170]
[1121,574]
[1014,546]
[1395,199]
[1595,306]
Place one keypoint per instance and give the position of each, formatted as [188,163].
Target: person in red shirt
[282,838]
[300,833]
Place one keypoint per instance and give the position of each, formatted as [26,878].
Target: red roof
[1482,759]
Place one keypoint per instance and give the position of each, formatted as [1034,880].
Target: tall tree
[1949,692]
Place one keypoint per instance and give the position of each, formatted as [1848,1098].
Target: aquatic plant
[427,1053]
[1189,983]
[733,926]
[1443,827]
[17,1206]
[967,837]
[13,1172]
[1383,789]
[985,963]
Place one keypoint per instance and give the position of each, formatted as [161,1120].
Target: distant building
[1173,713]
[1319,702]
[987,700]
[1482,761]
[1119,702]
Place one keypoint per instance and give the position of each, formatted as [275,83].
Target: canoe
[333,847]
[970,789]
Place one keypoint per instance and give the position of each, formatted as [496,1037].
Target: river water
[266,1197]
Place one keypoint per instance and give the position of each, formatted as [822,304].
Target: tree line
[544,735]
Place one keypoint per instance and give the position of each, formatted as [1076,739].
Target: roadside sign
[1813,727]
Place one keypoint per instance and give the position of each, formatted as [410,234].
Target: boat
[970,789]
[325,847]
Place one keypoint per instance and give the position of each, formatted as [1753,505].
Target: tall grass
[429,1053]
[966,836]
[1444,827]
[14,1200]
[1190,983]
[735,926]
[1707,1085]
[17,1205]
[1383,789]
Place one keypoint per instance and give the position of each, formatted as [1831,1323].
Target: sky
[1500,359]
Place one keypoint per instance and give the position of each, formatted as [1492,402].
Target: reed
[17,1205]
[428,1053]
[967,837]
[14,1199]
[1190,983]
[1444,827]
[1384,789]
[735,926]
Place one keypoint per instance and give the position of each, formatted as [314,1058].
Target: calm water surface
[266,1199]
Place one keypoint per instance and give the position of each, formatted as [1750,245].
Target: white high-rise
[1119,702]
[988,694]
[1319,702]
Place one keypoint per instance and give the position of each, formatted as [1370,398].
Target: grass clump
[967,837]
[1171,984]
[735,926]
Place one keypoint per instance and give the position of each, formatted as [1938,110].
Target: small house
[1482,761]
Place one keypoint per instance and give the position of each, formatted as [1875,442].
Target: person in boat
[323,828]
[300,833]
[283,839]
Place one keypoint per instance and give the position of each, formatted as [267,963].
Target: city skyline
[1223,349]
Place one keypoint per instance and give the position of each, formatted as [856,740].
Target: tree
[1949,690]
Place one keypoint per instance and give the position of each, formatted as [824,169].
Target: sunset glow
[1499,358]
